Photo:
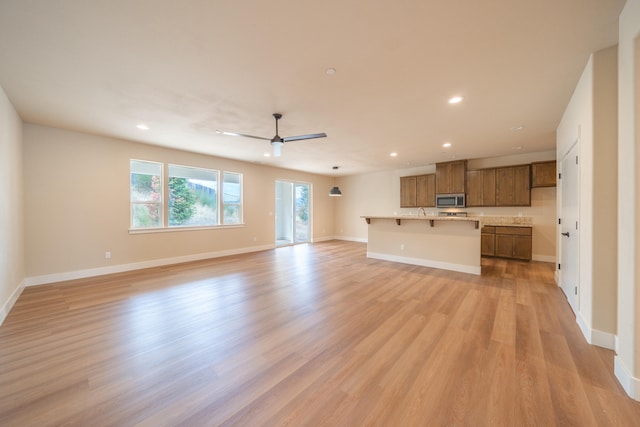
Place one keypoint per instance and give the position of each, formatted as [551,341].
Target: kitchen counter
[512,221]
[448,242]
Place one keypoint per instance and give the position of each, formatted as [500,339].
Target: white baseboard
[352,239]
[630,384]
[81,274]
[470,269]
[594,336]
[544,258]
[8,305]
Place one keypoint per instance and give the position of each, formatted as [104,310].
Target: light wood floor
[305,335]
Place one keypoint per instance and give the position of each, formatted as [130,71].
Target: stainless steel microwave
[450,201]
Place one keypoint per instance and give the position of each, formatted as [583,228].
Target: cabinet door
[488,187]
[451,177]
[475,188]
[504,245]
[522,247]
[426,190]
[443,180]
[458,177]
[408,192]
[488,244]
[522,185]
[543,174]
[513,186]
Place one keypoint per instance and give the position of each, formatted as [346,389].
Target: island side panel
[449,245]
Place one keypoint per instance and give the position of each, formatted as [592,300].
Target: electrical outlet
[402,247]
[107,255]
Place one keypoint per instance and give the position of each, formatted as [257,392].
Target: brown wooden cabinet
[513,242]
[481,187]
[513,186]
[488,241]
[451,177]
[426,190]
[408,192]
[418,191]
[543,174]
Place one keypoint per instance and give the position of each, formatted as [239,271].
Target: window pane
[145,186]
[192,196]
[232,198]
[145,215]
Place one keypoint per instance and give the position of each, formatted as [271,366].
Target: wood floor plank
[305,335]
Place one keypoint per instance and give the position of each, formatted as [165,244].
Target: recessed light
[394,154]
[446,145]
[142,126]
[517,128]
[267,155]
[455,100]
[330,71]
[519,147]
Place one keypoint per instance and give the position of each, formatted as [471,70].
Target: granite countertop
[510,221]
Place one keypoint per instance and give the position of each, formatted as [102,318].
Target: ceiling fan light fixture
[277,148]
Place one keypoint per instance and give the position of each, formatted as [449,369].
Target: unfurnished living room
[319,213]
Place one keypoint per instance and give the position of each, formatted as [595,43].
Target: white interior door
[569,227]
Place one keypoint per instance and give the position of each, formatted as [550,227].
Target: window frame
[164,226]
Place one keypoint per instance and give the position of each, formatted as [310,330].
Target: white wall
[379,194]
[591,117]
[77,207]
[11,206]
[627,363]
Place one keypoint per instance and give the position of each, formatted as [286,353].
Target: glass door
[293,213]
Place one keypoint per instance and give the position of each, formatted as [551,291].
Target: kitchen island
[449,243]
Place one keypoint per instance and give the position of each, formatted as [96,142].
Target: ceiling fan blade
[244,135]
[301,137]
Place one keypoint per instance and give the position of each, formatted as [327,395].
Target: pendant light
[335,191]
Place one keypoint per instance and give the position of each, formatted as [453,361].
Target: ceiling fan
[277,141]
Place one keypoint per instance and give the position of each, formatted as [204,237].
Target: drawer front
[518,231]
[489,229]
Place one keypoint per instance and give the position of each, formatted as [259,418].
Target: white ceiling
[188,68]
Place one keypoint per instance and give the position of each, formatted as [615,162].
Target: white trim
[81,274]
[594,336]
[470,269]
[544,258]
[630,384]
[8,305]
[352,239]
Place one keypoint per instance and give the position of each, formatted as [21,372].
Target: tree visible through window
[192,196]
[145,194]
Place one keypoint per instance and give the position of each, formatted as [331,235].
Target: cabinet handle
[565,234]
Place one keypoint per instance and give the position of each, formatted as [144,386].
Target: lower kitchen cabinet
[507,242]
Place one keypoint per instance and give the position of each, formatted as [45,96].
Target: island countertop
[510,221]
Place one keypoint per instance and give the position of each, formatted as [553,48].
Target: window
[231,198]
[146,194]
[196,196]
[192,197]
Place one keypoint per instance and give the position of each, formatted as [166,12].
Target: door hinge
[576,160]
[560,175]
[559,221]
[576,225]
[558,266]
[576,290]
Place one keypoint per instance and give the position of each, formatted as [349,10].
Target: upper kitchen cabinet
[408,192]
[418,191]
[543,174]
[513,186]
[426,190]
[481,187]
[450,177]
